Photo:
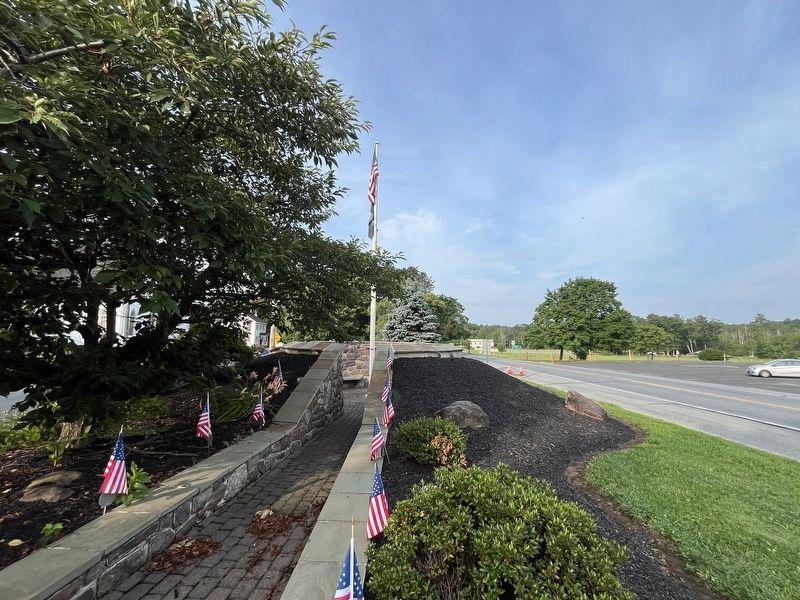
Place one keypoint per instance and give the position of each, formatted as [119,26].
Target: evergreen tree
[412,320]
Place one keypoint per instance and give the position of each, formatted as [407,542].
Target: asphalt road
[715,398]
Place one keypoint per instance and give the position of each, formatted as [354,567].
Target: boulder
[53,487]
[580,404]
[465,414]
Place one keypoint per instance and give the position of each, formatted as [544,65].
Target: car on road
[782,367]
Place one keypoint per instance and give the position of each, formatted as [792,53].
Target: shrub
[51,532]
[137,486]
[711,354]
[146,408]
[478,533]
[432,441]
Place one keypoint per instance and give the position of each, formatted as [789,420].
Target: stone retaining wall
[356,354]
[94,558]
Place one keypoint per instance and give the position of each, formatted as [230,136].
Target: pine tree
[412,320]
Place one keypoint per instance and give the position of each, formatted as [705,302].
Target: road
[715,398]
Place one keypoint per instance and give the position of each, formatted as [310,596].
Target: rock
[53,487]
[465,414]
[581,405]
[15,542]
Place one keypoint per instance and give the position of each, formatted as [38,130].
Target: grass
[733,512]
[544,355]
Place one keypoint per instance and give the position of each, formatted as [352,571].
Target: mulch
[532,432]
[171,447]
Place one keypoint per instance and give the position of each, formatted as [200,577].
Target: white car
[783,367]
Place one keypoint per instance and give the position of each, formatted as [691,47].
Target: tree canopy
[172,154]
[583,314]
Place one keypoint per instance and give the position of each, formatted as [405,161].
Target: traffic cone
[521,372]
[509,371]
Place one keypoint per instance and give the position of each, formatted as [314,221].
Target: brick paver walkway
[246,567]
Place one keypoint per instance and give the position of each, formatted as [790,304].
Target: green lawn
[543,355]
[733,512]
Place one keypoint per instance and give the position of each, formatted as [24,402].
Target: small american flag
[373,191]
[390,359]
[115,478]
[378,507]
[277,380]
[349,586]
[377,440]
[258,409]
[204,423]
[387,388]
[388,411]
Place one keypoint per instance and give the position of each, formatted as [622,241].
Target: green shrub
[137,485]
[145,408]
[711,354]
[15,434]
[51,532]
[432,441]
[478,533]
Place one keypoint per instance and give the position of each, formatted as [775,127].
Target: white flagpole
[373,304]
[352,557]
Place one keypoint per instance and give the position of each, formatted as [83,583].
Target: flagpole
[352,556]
[373,297]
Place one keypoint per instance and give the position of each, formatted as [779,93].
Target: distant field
[544,355]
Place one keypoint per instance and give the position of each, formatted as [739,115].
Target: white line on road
[676,402]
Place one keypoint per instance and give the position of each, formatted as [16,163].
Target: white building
[257,331]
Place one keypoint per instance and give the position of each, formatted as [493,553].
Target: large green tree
[412,320]
[648,337]
[583,314]
[178,155]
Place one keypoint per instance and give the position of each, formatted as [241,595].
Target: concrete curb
[94,558]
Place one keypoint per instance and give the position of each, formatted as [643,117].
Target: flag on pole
[349,586]
[387,389]
[373,192]
[115,477]
[204,423]
[390,359]
[277,380]
[258,409]
[377,441]
[378,507]
[388,411]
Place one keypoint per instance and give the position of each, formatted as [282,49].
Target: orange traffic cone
[521,372]
[509,371]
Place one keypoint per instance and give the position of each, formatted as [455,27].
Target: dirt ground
[171,448]
[532,432]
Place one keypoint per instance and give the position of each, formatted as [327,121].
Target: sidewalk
[247,567]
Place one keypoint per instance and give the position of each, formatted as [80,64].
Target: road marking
[713,395]
[676,402]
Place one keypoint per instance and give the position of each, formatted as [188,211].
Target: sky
[656,145]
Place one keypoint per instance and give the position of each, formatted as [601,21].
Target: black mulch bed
[532,432]
[171,447]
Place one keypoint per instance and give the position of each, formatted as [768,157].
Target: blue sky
[524,143]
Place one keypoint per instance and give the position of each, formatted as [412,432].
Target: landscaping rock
[581,405]
[465,414]
[53,487]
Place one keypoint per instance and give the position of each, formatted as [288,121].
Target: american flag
[204,423]
[388,411]
[349,586]
[378,507]
[277,380]
[377,440]
[373,191]
[387,388]
[390,359]
[115,478]
[258,409]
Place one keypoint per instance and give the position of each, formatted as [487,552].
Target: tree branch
[43,56]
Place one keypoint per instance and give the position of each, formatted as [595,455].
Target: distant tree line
[584,315]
